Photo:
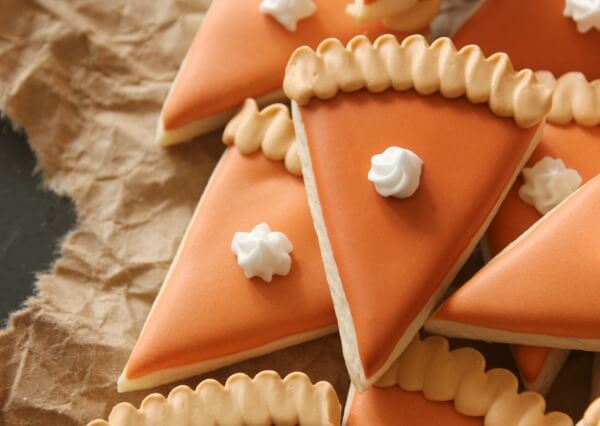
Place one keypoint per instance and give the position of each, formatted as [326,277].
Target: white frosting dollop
[288,12]
[262,252]
[548,183]
[396,172]
[586,13]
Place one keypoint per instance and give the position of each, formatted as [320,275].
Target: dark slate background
[32,221]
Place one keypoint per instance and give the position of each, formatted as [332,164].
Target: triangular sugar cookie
[572,136]
[535,34]
[241,52]
[541,290]
[208,314]
[389,260]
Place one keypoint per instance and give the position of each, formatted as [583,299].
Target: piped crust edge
[270,129]
[574,98]
[265,400]
[414,64]
[430,367]
[592,415]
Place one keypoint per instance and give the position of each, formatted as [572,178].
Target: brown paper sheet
[86,81]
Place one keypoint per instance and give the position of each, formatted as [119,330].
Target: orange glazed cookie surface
[573,136]
[208,314]
[241,52]
[541,290]
[389,260]
[535,34]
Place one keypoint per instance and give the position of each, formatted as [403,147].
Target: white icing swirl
[586,13]
[396,172]
[548,183]
[262,252]
[288,12]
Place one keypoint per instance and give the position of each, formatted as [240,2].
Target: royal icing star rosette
[252,225]
[567,156]
[264,400]
[429,384]
[541,37]
[240,51]
[542,289]
[388,261]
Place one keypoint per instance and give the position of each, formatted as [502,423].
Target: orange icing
[530,360]
[546,283]
[239,52]
[393,254]
[394,406]
[535,34]
[579,147]
[207,309]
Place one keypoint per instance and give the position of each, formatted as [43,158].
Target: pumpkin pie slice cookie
[248,278]
[431,385]
[542,289]
[555,35]
[407,152]
[240,51]
[265,400]
[568,155]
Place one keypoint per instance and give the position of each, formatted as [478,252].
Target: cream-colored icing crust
[592,415]
[428,366]
[365,10]
[414,64]
[574,98]
[265,400]
[270,129]
[399,15]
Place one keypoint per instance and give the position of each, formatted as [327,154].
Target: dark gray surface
[32,221]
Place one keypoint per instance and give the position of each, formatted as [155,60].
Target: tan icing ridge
[415,64]
[428,366]
[270,129]
[265,400]
[399,15]
[574,99]
[592,415]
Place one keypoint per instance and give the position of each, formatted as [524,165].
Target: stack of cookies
[352,206]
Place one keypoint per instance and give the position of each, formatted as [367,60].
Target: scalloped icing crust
[414,64]
[270,129]
[265,400]
[592,415]
[399,15]
[428,366]
[574,98]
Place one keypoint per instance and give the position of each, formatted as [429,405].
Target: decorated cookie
[265,400]
[431,385]
[542,289]
[568,155]
[390,258]
[247,278]
[399,15]
[538,34]
[241,50]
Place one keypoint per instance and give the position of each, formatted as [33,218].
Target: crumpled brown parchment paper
[86,80]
